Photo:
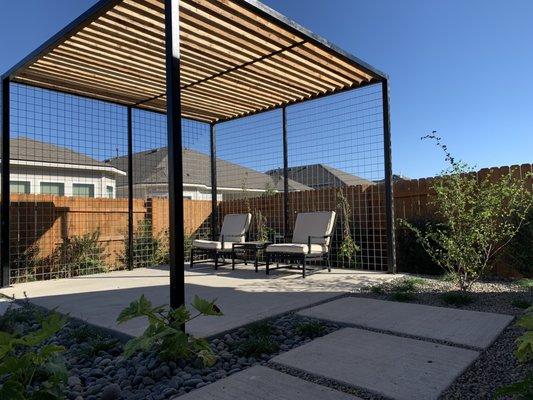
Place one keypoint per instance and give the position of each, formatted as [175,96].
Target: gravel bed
[98,371]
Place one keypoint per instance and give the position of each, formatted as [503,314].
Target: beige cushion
[211,245]
[296,248]
[235,226]
[318,223]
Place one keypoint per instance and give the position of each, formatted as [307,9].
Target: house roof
[321,175]
[237,57]
[24,150]
[151,167]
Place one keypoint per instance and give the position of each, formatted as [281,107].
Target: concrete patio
[243,295]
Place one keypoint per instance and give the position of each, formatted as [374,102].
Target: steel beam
[130,189]
[4,207]
[175,162]
[214,202]
[389,200]
[285,175]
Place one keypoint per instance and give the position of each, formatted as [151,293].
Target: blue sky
[459,67]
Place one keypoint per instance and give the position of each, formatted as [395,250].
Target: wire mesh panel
[336,149]
[65,217]
[249,151]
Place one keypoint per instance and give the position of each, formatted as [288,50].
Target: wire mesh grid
[69,180]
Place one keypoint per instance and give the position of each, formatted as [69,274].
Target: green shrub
[402,296]
[478,218]
[260,341]
[525,283]
[310,329]
[165,332]
[148,249]
[524,353]
[411,255]
[80,255]
[457,298]
[377,289]
[29,368]
[519,253]
[520,303]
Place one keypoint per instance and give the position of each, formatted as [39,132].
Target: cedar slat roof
[238,57]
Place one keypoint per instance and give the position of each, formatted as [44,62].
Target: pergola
[206,60]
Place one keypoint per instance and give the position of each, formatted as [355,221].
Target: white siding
[36,175]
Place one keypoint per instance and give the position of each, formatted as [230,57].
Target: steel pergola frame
[174,111]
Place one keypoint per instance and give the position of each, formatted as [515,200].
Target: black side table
[244,248]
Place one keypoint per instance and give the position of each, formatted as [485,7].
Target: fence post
[175,156]
[4,208]
[389,201]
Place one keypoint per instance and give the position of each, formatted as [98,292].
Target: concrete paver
[393,366]
[261,383]
[468,328]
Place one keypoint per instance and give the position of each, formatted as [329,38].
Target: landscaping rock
[111,392]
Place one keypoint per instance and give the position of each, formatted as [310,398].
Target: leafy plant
[478,218]
[524,353]
[519,303]
[30,369]
[404,289]
[80,255]
[377,289]
[165,332]
[525,283]
[457,299]
[149,249]
[260,341]
[348,247]
[310,329]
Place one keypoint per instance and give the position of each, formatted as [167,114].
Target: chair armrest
[315,237]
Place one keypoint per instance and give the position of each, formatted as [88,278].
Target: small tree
[477,219]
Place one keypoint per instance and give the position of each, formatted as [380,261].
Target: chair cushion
[211,245]
[235,226]
[296,248]
[318,223]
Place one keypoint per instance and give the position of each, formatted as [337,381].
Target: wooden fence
[44,222]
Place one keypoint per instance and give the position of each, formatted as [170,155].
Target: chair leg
[304,262]
[192,258]
[216,261]
[233,260]
[329,263]
[267,262]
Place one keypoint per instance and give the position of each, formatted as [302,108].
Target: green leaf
[526,322]
[12,390]
[524,350]
[141,343]
[206,307]
[523,388]
[137,308]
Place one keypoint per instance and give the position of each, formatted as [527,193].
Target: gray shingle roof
[25,149]
[150,167]
[321,175]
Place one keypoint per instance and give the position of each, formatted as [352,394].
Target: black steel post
[389,200]
[130,189]
[285,176]
[4,208]
[175,162]
[214,205]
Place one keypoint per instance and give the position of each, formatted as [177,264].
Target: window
[109,191]
[55,188]
[19,187]
[82,190]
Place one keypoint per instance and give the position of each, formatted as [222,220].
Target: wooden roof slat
[238,58]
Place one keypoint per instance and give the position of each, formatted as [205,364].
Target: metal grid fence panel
[336,148]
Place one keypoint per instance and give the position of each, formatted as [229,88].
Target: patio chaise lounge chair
[234,229]
[310,242]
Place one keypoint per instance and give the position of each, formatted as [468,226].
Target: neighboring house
[150,177]
[43,168]
[395,178]
[320,176]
